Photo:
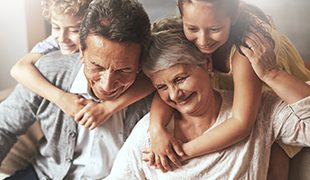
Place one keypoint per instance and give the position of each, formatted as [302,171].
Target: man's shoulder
[57,58]
[59,69]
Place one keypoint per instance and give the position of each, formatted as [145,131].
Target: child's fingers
[79,116]
[151,159]
[177,148]
[83,121]
[173,158]
[158,164]
[93,125]
[148,157]
[165,163]
[85,111]
[84,102]
[89,122]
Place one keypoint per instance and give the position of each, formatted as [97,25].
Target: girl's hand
[149,157]
[260,53]
[68,105]
[93,114]
[166,149]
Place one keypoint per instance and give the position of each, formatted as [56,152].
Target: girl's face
[65,29]
[205,25]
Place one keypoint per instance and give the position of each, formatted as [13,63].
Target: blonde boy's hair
[67,7]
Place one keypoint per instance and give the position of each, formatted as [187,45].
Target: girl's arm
[28,75]
[94,114]
[164,146]
[247,94]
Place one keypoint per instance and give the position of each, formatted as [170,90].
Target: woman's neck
[188,127]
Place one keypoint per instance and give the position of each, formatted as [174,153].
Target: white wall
[21,27]
[292,19]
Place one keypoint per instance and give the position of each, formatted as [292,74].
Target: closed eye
[215,29]
[179,80]
[125,70]
[161,87]
[192,29]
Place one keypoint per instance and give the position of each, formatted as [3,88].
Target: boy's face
[65,29]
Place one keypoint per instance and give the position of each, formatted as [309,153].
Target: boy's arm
[25,72]
[95,114]
[28,75]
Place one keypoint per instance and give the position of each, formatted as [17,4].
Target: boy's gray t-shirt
[46,46]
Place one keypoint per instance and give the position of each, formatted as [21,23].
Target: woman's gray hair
[169,47]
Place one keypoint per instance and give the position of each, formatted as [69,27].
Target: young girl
[220,28]
[65,18]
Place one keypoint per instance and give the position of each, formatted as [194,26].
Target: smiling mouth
[109,94]
[66,46]
[185,100]
[207,46]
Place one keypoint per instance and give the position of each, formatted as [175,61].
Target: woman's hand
[93,114]
[67,103]
[260,52]
[166,150]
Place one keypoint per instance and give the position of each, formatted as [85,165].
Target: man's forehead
[103,52]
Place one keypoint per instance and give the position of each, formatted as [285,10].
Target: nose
[202,38]
[175,94]
[62,36]
[107,81]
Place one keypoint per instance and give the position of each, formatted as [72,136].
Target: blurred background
[22,26]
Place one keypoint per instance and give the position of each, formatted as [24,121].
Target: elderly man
[113,36]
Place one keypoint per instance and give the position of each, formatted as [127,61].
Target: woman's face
[65,29]
[205,25]
[184,87]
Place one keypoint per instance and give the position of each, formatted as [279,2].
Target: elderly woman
[182,77]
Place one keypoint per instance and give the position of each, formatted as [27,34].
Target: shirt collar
[79,85]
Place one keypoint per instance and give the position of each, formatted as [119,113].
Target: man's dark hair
[117,20]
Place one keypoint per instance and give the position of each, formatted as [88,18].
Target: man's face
[110,67]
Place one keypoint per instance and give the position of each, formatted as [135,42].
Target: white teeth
[183,102]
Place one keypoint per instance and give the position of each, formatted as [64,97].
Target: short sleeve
[46,46]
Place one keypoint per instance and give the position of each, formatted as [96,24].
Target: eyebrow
[94,63]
